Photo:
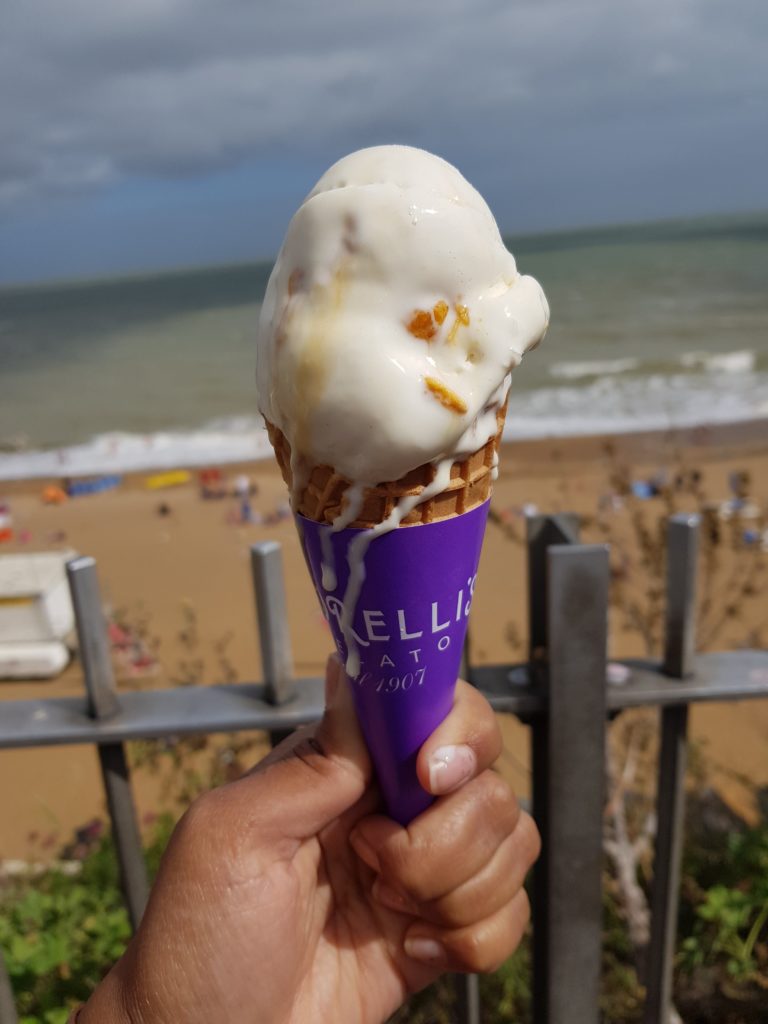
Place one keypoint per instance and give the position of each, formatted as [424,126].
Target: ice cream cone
[391,325]
[322,497]
[410,616]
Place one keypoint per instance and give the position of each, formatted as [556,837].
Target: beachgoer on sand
[242,489]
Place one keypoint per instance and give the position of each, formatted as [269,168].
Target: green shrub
[726,919]
[60,932]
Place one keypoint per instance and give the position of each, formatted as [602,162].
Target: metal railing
[561,692]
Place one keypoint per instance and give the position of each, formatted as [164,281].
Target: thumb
[319,772]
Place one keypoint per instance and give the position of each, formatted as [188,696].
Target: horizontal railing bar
[150,714]
[720,676]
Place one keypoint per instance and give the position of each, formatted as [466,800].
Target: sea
[653,326]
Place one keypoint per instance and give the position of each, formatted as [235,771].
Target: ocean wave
[742,361]
[610,404]
[235,439]
[738,362]
[592,368]
[620,405]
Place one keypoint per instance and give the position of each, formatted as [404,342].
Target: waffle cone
[322,499]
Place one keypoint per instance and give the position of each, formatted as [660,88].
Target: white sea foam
[240,439]
[619,405]
[592,368]
[609,405]
[742,361]
[738,362]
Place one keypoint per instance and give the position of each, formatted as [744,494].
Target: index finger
[463,746]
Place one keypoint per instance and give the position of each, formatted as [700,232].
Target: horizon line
[179,270]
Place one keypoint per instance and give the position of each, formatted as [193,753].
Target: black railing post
[577,628]
[542,533]
[8,1013]
[467,999]
[269,588]
[682,551]
[104,704]
[274,638]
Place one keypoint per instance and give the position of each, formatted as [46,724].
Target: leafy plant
[729,927]
[60,932]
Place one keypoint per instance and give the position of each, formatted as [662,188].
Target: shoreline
[742,435]
[736,438]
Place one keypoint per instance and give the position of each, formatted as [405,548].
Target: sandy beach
[183,577]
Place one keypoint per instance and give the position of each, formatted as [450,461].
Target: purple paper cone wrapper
[410,622]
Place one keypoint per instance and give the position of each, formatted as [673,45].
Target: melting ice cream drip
[328,578]
[299,477]
[481,430]
[360,544]
[354,502]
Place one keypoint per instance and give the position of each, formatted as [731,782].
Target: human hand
[285,897]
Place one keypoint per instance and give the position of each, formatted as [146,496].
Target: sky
[160,133]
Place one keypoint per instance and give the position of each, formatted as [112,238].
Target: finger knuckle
[485,739]
[415,866]
[476,954]
[489,732]
[531,840]
[520,919]
[460,910]
[483,717]
[312,756]
[522,914]
[399,864]
[451,911]
[484,949]
[497,796]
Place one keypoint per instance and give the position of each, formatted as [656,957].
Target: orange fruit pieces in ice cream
[445,396]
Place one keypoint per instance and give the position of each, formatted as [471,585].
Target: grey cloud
[97,91]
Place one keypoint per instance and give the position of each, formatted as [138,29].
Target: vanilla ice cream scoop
[392,319]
